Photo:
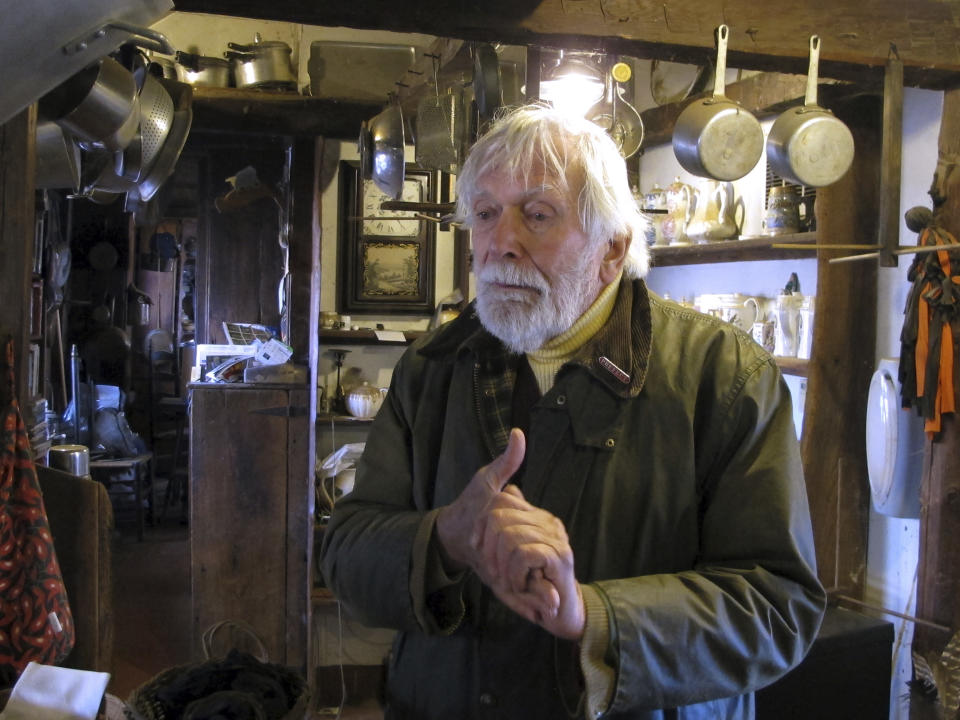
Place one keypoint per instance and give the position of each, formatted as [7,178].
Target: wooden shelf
[748,248]
[278,113]
[364,337]
[327,418]
[792,366]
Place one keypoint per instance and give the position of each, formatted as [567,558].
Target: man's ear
[614,258]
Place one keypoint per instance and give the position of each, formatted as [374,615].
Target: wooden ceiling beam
[857,35]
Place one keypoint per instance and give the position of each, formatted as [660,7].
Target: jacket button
[487,700]
[610,442]
[561,399]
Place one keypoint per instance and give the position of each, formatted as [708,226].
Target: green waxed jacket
[681,490]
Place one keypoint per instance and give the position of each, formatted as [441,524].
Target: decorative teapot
[365,400]
[679,207]
[714,213]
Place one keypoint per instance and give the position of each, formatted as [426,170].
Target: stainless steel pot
[715,137]
[74,459]
[203,71]
[58,158]
[262,64]
[98,105]
[809,145]
[386,130]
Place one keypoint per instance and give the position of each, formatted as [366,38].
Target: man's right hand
[518,550]
[460,524]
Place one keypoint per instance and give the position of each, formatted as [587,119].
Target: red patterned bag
[31,587]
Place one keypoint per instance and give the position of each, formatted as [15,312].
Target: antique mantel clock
[386,257]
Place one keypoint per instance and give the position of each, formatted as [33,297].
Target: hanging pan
[386,131]
[809,145]
[714,137]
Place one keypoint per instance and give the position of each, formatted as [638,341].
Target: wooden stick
[898,251]
[807,246]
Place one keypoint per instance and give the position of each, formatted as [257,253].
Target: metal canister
[74,459]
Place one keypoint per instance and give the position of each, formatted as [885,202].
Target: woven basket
[143,703]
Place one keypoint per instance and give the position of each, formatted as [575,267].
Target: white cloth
[44,692]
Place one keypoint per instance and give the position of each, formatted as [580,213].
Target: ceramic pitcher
[713,216]
[679,207]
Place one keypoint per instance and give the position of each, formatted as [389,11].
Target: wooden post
[834,457]
[17,170]
[938,580]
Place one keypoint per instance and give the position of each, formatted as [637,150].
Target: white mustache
[509,274]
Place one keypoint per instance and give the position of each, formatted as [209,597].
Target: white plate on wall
[894,437]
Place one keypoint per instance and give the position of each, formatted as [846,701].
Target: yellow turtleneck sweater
[546,361]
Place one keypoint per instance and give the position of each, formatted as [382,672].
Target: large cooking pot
[715,137]
[809,145]
[98,105]
[203,71]
[262,64]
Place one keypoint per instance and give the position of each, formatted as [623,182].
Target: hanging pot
[58,158]
[386,130]
[262,64]
[809,145]
[99,105]
[486,79]
[203,71]
[715,137]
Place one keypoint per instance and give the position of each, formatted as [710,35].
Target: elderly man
[578,499]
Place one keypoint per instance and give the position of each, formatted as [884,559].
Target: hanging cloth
[931,316]
[35,619]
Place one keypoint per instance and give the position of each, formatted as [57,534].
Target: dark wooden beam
[938,579]
[769,36]
[17,170]
[841,366]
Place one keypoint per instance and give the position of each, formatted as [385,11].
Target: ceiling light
[574,83]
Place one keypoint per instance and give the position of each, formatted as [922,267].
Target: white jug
[787,324]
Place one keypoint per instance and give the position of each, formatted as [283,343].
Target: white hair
[567,147]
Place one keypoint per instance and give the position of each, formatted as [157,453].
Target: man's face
[536,269]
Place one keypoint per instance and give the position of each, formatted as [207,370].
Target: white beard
[524,320]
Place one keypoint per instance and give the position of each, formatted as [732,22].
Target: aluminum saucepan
[99,105]
[715,137]
[809,145]
[263,64]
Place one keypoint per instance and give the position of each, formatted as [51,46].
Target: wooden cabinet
[251,510]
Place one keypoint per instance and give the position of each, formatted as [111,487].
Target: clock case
[360,286]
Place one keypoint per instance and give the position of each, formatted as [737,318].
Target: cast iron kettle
[714,137]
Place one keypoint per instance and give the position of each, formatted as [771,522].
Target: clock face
[395,223]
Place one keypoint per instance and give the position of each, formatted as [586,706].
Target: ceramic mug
[763,334]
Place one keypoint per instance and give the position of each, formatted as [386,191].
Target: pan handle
[810,99]
[723,32]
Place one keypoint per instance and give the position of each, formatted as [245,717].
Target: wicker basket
[143,703]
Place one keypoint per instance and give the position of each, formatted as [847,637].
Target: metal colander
[156,117]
